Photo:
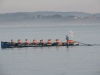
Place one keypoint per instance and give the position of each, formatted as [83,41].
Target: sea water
[58,60]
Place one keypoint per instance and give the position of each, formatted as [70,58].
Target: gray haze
[89,6]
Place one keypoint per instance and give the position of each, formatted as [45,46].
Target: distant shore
[52,17]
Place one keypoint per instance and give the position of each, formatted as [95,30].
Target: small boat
[17,45]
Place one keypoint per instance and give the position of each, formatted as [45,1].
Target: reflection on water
[59,60]
[35,48]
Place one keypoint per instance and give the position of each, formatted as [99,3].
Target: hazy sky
[89,6]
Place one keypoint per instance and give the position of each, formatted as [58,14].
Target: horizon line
[45,11]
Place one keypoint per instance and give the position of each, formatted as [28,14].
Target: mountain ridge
[48,13]
[50,17]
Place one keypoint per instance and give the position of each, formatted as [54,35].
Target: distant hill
[51,17]
[78,14]
[20,15]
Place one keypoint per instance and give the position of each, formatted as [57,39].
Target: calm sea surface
[75,60]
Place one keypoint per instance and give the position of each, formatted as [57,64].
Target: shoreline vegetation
[51,17]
